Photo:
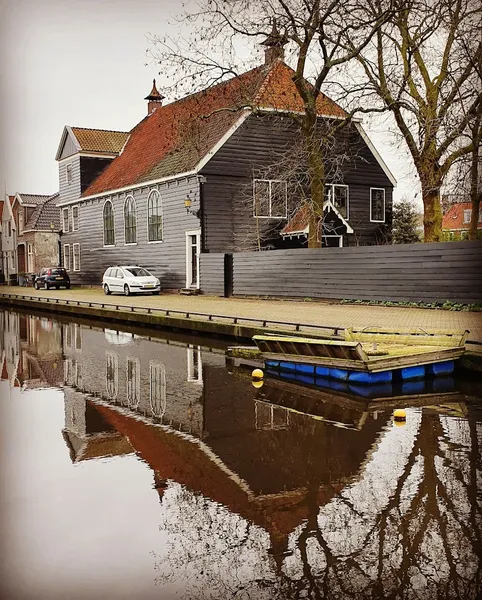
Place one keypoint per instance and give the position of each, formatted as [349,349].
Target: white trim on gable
[67,131]
[327,204]
[207,157]
[375,153]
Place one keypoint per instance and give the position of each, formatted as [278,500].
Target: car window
[137,272]
[58,271]
[119,273]
[107,273]
[43,271]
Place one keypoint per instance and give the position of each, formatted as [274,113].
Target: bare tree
[425,73]
[316,31]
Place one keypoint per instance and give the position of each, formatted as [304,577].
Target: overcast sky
[83,63]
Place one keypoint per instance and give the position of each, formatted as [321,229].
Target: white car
[129,280]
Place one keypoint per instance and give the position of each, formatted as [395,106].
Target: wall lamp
[189,210]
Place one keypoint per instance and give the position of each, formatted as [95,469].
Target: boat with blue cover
[373,356]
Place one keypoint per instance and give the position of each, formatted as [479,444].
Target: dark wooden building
[203,175]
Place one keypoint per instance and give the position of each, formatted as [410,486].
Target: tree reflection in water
[409,527]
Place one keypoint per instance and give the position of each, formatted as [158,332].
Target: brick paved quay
[316,313]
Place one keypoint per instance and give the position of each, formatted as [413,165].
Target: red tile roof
[174,138]
[453,219]
[299,223]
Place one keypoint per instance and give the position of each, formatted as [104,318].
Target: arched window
[109,230]
[130,221]
[154,217]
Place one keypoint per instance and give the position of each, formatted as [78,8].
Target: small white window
[270,199]
[69,173]
[75,218]
[377,205]
[30,257]
[337,194]
[467,215]
[65,220]
[67,257]
[76,257]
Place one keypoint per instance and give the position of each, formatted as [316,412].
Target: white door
[193,250]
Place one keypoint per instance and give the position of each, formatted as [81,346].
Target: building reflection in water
[257,498]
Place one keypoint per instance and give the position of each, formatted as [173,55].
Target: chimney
[274,43]
[154,99]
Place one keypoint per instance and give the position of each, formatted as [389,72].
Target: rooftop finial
[274,43]
[154,98]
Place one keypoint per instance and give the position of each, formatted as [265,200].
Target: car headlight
[157,282]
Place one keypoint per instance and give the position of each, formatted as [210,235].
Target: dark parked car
[56,277]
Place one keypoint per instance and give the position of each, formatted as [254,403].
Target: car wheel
[36,285]
[46,286]
[106,290]
[67,287]
[127,291]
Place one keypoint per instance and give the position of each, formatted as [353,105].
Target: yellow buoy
[399,414]
[257,383]
[257,374]
[399,423]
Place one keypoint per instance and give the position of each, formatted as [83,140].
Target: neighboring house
[188,180]
[9,241]
[37,224]
[82,155]
[456,222]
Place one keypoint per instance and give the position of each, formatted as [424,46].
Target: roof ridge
[267,78]
[99,129]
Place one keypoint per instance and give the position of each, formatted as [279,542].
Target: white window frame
[30,255]
[133,384]
[68,173]
[130,197]
[112,385]
[270,182]
[66,257]
[467,215]
[157,393]
[103,223]
[330,187]
[373,189]
[75,208]
[194,363]
[66,220]
[75,263]
[159,204]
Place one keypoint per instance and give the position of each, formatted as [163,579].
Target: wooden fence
[418,272]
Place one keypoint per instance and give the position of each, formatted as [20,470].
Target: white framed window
[75,217]
[270,199]
[133,376]
[377,205]
[157,389]
[69,173]
[130,218]
[65,220]
[154,217]
[338,195]
[20,221]
[194,365]
[112,375]
[30,265]
[109,227]
[67,257]
[467,215]
[76,257]
[9,228]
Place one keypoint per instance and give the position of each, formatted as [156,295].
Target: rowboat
[368,355]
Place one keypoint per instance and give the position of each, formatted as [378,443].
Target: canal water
[136,467]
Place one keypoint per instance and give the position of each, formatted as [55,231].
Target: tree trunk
[317,186]
[475,190]
[432,207]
